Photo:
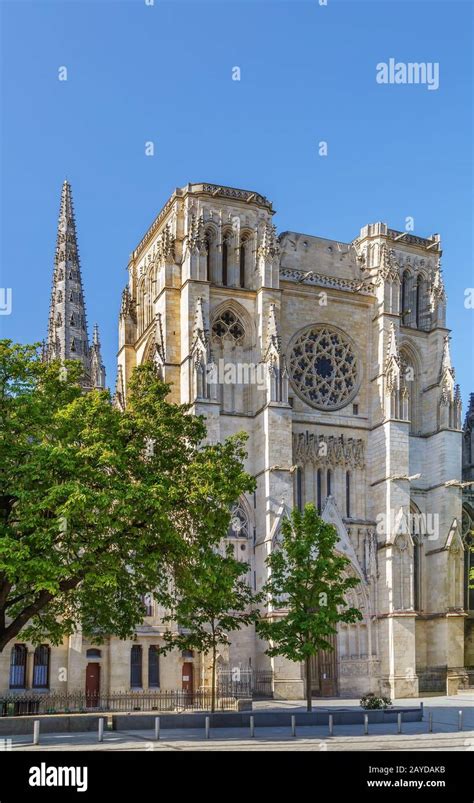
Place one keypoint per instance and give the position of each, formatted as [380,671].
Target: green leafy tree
[208,599]
[98,506]
[306,589]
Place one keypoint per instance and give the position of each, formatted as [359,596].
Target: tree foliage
[208,599]
[99,506]
[306,590]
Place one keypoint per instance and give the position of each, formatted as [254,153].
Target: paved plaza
[384,737]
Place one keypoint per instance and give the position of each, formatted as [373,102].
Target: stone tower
[347,393]
[67,327]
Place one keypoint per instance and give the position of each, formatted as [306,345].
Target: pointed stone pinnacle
[67,326]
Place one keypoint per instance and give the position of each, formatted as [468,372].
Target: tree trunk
[309,698]
[213,679]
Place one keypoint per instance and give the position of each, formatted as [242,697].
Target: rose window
[323,368]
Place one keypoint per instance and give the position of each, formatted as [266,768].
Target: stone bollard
[36,731]
[331,725]
[157,729]
[252,727]
[366,724]
[293,725]
[100,735]
[399,722]
[207,725]
[460,720]
[430,722]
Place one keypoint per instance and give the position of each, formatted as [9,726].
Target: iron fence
[432,679]
[245,683]
[78,702]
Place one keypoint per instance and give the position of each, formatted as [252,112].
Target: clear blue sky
[164,73]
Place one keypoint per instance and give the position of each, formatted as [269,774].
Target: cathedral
[334,358]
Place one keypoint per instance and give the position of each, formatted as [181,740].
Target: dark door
[92,685]
[324,672]
[187,676]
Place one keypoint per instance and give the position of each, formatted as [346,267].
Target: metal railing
[432,679]
[245,683]
[78,702]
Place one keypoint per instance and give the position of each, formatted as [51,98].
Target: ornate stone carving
[128,307]
[273,350]
[228,327]
[388,269]
[196,240]
[328,450]
[269,247]
[392,363]
[311,277]
[323,367]
[165,246]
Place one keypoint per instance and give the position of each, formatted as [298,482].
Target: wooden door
[187,676]
[92,685]
[324,672]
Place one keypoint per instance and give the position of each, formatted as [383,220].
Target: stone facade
[352,406]
[468,527]
[334,358]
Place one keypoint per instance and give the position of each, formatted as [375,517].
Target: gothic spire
[97,368]
[67,328]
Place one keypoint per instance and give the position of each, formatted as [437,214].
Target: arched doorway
[324,671]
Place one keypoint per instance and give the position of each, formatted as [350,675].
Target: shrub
[373,701]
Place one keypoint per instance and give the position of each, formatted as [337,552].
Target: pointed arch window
[18,666]
[468,539]
[225,259]
[417,572]
[73,344]
[242,264]
[239,523]
[418,292]
[410,383]
[136,667]
[348,494]
[421,303]
[72,320]
[208,259]
[405,298]
[319,488]
[41,661]
[228,326]
[299,488]
[329,482]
